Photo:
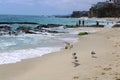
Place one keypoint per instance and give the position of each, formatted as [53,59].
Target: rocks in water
[45,28]
[23,29]
[49,28]
[5,28]
[52,31]
[53,25]
[38,28]
[27,30]
[18,23]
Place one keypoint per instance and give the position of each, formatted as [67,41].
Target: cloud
[20,2]
[46,6]
[68,4]
[55,3]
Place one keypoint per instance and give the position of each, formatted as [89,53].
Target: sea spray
[18,55]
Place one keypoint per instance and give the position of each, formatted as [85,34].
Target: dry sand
[103,65]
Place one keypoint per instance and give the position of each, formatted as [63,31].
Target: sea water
[15,48]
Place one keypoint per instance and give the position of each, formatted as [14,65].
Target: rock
[18,23]
[53,25]
[117,25]
[52,31]
[40,27]
[24,29]
[5,28]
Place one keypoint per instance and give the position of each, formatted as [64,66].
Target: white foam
[3,45]
[18,55]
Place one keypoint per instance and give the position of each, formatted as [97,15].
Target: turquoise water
[38,19]
[45,20]
[15,48]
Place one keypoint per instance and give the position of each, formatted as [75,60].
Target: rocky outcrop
[78,14]
[105,9]
[18,23]
[5,28]
[53,25]
[27,30]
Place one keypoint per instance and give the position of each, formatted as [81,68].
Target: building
[113,1]
[109,8]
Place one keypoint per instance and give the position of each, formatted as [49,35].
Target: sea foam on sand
[18,55]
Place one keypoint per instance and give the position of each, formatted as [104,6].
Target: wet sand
[98,56]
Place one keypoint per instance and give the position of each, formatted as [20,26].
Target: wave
[18,55]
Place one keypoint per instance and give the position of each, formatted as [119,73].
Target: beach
[103,65]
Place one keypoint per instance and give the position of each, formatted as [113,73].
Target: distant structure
[79,14]
[108,8]
[113,1]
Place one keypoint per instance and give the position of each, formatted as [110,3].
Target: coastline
[112,19]
[59,66]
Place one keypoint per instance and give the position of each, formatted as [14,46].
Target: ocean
[23,46]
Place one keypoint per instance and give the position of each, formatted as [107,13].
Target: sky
[44,7]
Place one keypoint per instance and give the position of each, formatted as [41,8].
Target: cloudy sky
[44,7]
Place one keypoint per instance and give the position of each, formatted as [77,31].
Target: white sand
[104,65]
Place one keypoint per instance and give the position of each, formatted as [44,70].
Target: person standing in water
[79,22]
[83,23]
[97,23]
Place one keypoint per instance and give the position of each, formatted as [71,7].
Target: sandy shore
[112,19]
[103,65]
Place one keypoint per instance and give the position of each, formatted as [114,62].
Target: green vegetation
[82,33]
[105,10]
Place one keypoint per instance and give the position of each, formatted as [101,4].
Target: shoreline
[14,56]
[59,66]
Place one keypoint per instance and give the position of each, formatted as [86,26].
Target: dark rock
[40,27]
[53,25]
[18,23]
[78,14]
[95,26]
[24,29]
[5,28]
[70,26]
[117,25]
[52,31]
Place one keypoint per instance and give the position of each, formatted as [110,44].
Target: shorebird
[75,57]
[93,53]
[74,54]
